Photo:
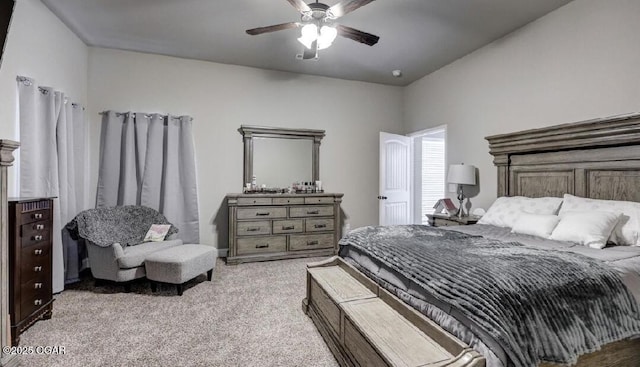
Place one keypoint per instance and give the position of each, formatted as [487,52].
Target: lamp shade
[462,174]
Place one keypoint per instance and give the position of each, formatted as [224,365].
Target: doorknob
[382,198]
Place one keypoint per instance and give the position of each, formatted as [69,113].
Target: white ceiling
[416,36]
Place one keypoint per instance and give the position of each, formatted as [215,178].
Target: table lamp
[461,174]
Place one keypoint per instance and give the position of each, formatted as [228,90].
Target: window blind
[433,170]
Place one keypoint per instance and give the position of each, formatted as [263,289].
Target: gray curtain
[52,164]
[148,159]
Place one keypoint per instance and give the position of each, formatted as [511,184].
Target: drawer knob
[37,268]
[264,245]
[253,229]
[37,302]
[312,243]
[311,212]
[39,227]
[37,285]
[37,216]
[37,238]
[288,228]
[320,226]
[37,251]
[262,214]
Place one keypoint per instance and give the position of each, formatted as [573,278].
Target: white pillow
[157,233]
[590,228]
[505,210]
[540,225]
[627,231]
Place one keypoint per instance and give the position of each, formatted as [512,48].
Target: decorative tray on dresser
[282,226]
[30,291]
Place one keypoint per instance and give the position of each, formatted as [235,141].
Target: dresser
[30,292]
[282,226]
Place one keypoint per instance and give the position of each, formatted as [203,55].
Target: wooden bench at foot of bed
[365,325]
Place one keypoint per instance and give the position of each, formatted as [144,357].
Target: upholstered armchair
[114,239]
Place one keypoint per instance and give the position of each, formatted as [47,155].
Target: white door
[395,179]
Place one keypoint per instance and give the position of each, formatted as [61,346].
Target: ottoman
[179,264]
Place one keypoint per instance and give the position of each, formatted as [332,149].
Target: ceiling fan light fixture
[327,36]
[309,33]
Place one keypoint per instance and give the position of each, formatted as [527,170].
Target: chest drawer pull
[37,238]
[37,251]
[288,228]
[38,227]
[37,285]
[312,212]
[320,226]
[264,245]
[312,243]
[253,229]
[37,302]
[37,268]
[262,214]
[37,216]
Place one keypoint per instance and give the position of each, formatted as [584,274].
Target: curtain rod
[147,115]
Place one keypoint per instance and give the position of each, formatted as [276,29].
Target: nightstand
[443,220]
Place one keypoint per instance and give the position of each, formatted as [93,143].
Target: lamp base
[460,213]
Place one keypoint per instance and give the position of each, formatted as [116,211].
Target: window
[429,171]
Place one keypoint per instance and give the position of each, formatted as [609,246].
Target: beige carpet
[249,315]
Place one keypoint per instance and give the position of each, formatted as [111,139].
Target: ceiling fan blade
[356,35]
[310,53]
[346,7]
[273,28]
[300,5]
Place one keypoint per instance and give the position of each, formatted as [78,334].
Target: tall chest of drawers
[282,226]
[30,288]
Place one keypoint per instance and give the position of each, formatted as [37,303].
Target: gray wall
[40,46]
[222,97]
[579,62]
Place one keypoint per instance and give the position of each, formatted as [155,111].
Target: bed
[597,159]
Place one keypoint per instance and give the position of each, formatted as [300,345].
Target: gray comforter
[532,303]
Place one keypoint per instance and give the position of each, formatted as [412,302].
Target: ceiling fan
[318,27]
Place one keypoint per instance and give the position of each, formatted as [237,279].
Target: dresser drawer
[35,253]
[32,299]
[254,201]
[310,242]
[34,228]
[261,213]
[253,228]
[287,226]
[39,284]
[288,201]
[258,245]
[35,216]
[318,225]
[36,236]
[311,211]
[319,200]
[34,268]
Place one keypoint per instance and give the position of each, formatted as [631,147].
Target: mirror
[278,157]
[280,162]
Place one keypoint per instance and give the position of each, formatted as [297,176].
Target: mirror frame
[249,132]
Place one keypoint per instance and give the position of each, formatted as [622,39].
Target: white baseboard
[222,252]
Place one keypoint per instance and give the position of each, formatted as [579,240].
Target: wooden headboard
[597,159]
